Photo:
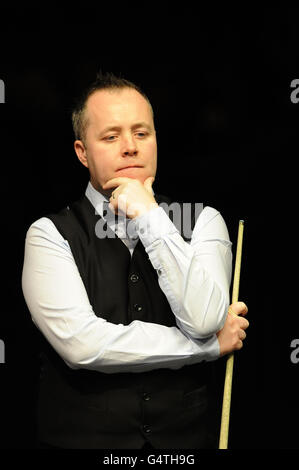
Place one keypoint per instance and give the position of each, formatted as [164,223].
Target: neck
[106,193]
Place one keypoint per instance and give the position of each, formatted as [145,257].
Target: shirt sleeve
[60,308]
[195,276]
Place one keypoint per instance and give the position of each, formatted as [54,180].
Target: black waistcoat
[90,409]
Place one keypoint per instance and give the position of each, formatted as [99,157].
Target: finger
[148,183]
[242,335]
[242,322]
[113,195]
[114,182]
[238,308]
[112,208]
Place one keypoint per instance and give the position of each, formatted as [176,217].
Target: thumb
[148,183]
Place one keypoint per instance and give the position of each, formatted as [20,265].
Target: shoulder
[44,229]
[210,222]
[62,224]
[206,215]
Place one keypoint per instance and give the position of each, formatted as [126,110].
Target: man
[130,311]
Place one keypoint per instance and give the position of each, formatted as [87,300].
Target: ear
[81,152]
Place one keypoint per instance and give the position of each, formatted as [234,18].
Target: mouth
[129,166]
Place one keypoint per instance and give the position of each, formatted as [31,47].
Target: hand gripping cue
[224,428]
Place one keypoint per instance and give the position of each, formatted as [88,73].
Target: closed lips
[133,166]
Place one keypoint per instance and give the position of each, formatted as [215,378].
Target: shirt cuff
[154,225]
[210,347]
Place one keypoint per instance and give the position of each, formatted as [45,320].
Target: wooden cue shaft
[224,428]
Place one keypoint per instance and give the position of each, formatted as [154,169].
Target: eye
[110,138]
[141,134]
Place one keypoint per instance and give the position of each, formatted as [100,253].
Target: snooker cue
[224,428]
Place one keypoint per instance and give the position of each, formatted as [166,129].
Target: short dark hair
[103,81]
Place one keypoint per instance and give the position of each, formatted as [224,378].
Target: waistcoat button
[134,277]
[146,397]
[147,429]
[137,307]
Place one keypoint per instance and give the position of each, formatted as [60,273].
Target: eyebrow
[118,128]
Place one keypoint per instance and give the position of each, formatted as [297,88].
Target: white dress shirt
[195,277]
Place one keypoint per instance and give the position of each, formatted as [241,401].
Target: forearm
[137,347]
[59,306]
[194,277]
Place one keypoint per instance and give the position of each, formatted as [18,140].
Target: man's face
[120,137]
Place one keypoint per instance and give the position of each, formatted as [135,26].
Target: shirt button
[134,277]
[146,397]
[147,429]
[137,307]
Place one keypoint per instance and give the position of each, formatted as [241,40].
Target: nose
[129,147]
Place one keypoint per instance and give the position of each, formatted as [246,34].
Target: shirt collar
[99,202]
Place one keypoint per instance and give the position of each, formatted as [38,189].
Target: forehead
[117,106]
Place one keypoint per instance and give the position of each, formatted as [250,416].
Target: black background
[219,82]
